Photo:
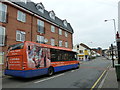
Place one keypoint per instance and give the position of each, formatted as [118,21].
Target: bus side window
[28,47]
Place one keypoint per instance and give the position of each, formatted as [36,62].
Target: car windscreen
[16,46]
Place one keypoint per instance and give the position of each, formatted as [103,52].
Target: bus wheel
[78,66]
[50,71]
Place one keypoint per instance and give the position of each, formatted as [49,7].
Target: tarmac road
[84,77]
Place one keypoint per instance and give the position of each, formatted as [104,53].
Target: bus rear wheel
[50,71]
[78,66]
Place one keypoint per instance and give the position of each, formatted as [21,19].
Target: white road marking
[49,78]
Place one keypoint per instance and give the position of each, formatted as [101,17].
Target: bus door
[15,57]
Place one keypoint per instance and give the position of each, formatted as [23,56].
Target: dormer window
[40,7]
[65,23]
[52,14]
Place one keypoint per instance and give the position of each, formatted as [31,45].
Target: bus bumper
[26,73]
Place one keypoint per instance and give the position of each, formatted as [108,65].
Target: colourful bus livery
[30,59]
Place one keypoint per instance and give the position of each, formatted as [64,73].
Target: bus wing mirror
[28,47]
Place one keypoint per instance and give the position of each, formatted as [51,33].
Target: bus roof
[49,46]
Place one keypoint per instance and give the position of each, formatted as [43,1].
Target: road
[84,77]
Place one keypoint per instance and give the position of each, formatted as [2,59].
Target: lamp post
[114,28]
[115,39]
[114,25]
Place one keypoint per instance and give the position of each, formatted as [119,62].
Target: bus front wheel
[50,71]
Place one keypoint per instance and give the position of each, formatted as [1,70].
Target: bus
[31,59]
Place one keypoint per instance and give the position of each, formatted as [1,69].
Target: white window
[40,39]
[3,12]
[2,36]
[40,7]
[52,14]
[66,44]
[65,23]
[1,57]
[66,34]
[40,26]
[60,32]
[60,43]
[53,42]
[20,36]
[21,16]
[52,28]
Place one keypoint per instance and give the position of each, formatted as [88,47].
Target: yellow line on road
[99,79]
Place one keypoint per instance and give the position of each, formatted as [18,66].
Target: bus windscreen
[16,46]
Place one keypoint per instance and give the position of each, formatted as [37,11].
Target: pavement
[110,80]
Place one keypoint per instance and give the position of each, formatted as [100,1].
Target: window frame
[60,43]
[40,24]
[60,31]
[39,39]
[52,41]
[66,44]
[52,15]
[66,34]
[3,10]
[21,33]
[21,16]
[52,28]
[3,38]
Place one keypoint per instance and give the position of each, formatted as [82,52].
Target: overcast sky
[87,19]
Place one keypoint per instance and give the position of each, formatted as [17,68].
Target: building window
[52,28]
[1,57]
[40,7]
[53,42]
[20,36]
[60,43]
[40,39]
[40,26]
[66,34]
[60,32]
[66,44]
[81,51]
[2,36]
[21,16]
[65,23]
[52,14]
[3,12]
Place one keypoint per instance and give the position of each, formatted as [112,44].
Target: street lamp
[115,39]
[114,27]
[114,24]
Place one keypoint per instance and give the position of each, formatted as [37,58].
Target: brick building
[28,21]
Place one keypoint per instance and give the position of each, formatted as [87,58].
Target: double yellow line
[99,79]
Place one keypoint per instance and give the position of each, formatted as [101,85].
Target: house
[81,50]
[29,21]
